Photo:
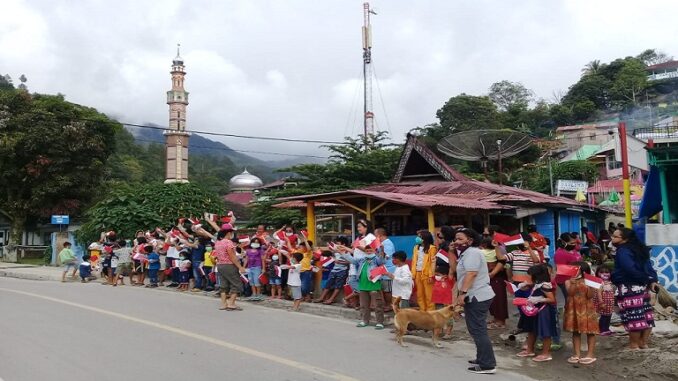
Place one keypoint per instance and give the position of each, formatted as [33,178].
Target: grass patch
[32,261]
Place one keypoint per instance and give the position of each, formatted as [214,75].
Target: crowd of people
[454,266]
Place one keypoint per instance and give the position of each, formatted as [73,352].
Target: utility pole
[367,73]
[499,157]
[625,174]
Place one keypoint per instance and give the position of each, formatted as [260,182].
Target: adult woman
[445,241]
[229,269]
[475,294]
[423,269]
[565,254]
[254,259]
[634,277]
[498,279]
[364,228]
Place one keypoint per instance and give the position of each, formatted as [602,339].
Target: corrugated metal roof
[430,200]
[242,198]
[301,205]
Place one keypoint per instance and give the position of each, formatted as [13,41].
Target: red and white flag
[370,240]
[377,272]
[512,288]
[567,270]
[328,262]
[244,278]
[593,281]
[443,255]
[278,271]
[509,240]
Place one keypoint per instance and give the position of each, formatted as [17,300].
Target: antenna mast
[367,71]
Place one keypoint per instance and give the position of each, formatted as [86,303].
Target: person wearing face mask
[423,269]
[521,260]
[274,273]
[475,294]
[565,254]
[228,268]
[254,258]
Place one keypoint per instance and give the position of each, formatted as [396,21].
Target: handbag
[530,309]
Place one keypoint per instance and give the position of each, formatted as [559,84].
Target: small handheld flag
[567,270]
[593,281]
[443,256]
[512,288]
[244,278]
[377,272]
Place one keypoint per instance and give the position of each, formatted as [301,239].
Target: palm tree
[591,68]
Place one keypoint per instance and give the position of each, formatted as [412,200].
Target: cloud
[294,68]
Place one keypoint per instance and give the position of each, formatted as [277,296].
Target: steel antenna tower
[367,71]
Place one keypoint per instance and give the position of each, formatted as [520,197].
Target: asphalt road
[74,331]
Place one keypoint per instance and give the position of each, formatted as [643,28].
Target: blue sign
[60,220]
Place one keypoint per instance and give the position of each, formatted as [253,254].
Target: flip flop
[573,360]
[525,354]
[542,358]
[587,360]
[224,309]
[234,308]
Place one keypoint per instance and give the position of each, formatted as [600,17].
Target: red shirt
[442,291]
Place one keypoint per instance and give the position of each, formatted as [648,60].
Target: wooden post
[310,221]
[431,221]
[368,209]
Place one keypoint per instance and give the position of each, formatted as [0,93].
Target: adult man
[68,260]
[386,251]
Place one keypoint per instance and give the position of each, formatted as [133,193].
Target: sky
[293,68]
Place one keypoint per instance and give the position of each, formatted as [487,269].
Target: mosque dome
[244,182]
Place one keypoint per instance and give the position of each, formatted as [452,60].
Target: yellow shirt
[208,259]
[306,262]
[490,255]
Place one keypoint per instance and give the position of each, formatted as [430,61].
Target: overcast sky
[293,68]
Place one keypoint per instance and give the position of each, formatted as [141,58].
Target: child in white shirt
[402,279]
[294,277]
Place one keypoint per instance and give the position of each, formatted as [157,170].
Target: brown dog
[430,320]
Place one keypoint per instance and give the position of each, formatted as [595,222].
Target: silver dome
[244,182]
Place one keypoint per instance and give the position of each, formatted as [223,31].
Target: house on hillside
[426,193]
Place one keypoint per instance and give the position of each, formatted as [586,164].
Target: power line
[222,134]
[236,150]
[381,98]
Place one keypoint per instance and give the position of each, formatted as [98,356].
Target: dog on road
[435,321]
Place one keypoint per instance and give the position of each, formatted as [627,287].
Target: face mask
[418,241]
[439,277]
[289,234]
[370,256]
[275,257]
[208,248]
[255,245]
[569,246]
[605,276]
[462,248]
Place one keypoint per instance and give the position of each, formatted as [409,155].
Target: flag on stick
[593,281]
[443,255]
[377,272]
[567,270]
[512,288]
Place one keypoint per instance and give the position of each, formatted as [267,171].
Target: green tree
[52,156]
[653,57]
[126,209]
[509,95]
[630,82]
[467,112]
[591,68]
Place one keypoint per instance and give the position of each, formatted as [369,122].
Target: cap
[227,227]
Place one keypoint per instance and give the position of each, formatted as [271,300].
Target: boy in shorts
[68,259]
[294,278]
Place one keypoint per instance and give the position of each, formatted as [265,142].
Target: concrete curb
[8,273]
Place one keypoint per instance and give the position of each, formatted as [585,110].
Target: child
[207,266]
[335,281]
[85,269]
[326,264]
[580,315]
[402,279]
[274,276]
[254,258]
[184,274]
[153,267]
[604,300]
[442,292]
[294,278]
[540,319]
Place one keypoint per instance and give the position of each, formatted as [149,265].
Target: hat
[243,238]
[228,227]
[93,246]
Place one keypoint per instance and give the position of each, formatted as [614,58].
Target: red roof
[664,66]
[242,198]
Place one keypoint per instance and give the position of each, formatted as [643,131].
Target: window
[612,163]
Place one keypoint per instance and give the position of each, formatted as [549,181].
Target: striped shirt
[521,262]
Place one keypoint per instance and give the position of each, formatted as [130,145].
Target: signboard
[60,220]
[571,186]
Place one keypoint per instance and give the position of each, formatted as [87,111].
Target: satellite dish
[484,145]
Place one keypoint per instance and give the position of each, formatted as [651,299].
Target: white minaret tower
[176,138]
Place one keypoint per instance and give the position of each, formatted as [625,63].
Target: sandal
[526,354]
[587,360]
[573,360]
[542,358]
[379,327]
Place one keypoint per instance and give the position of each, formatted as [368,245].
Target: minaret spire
[176,137]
